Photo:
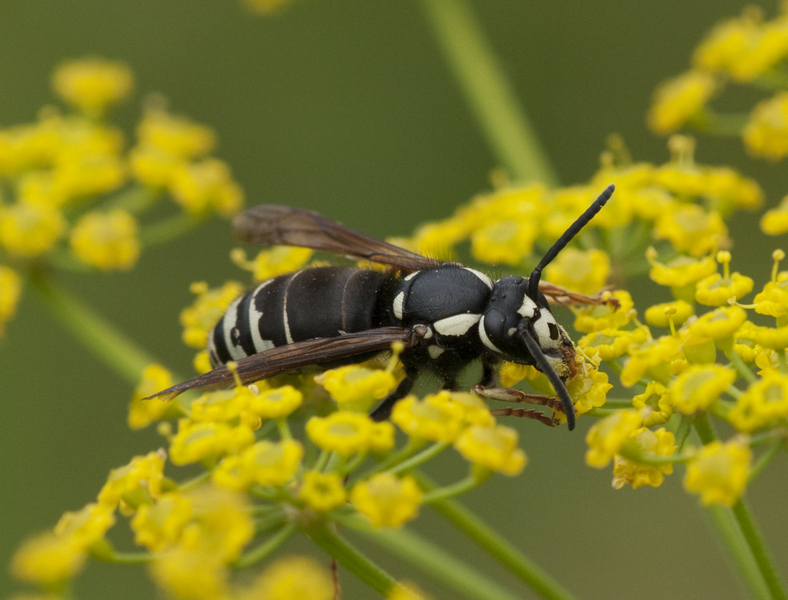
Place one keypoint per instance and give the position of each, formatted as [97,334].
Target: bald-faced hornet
[446,315]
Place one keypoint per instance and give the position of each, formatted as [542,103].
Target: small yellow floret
[357,388]
[143,412]
[273,463]
[48,559]
[323,491]
[775,221]
[106,241]
[655,399]
[597,317]
[653,356]
[716,290]
[692,229]
[291,578]
[588,389]
[493,448]
[93,84]
[773,300]
[143,473]
[386,500]
[699,386]
[660,315]
[175,135]
[681,271]
[158,525]
[278,260]
[646,443]
[437,417]
[206,310]
[196,441]
[28,229]
[679,100]
[719,472]
[506,242]
[608,344]
[764,401]
[276,403]
[719,324]
[581,271]
[766,133]
[606,437]
[10,291]
[207,185]
[343,432]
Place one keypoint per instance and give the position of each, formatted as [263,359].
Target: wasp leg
[527,413]
[383,410]
[518,396]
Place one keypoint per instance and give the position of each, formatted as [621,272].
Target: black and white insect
[447,315]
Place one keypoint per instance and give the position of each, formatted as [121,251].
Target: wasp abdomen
[313,303]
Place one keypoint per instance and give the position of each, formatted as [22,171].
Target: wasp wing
[294,356]
[271,224]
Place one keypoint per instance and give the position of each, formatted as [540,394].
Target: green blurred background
[347,107]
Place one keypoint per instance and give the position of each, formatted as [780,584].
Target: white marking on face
[542,331]
[399,300]
[485,280]
[485,340]
[255,317]
[434,351]
[230,322]
[528,309]
[456,325]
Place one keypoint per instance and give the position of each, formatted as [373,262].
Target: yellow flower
[724,46]
[266,463]
[386,500]
[270,263]
[93,84]
[210,305]
[382,436]
[106,241]
[770,337]
[158,525]
[656,399]
[691,229]
[699,386]
[291,578]
[436,239]
[647,443]
[435,418]
[175,135]
[719,472]
[357,388]
[773,300]
[86,526]
[143,412]
[681,271]
[606,437]
[766,133]
[493,448]
[29,230]
[660,315]
[475,411]
[191,572]
[652,356]
[196,441]
[775,221]
[721,323]
[505,242]
[581,271]
[206,185]
[10,291]
[154,167]
[143,474]
[609,344]
[716,290]
[588,389]
[48,559]
[275,403]
[605,316]
[323,491]
[679,100]
[767,46]
[763,402]
[342,432]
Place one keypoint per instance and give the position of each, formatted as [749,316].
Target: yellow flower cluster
[75,196]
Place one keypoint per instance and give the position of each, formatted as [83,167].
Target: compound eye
[495,324]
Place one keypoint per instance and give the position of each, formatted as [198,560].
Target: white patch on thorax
[485,280]
[399,300]
[456,325]
[434,351]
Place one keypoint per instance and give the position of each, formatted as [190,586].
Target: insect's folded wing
[271,224]
[294,356]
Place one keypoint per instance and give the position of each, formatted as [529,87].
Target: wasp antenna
[574,229]
[545,367]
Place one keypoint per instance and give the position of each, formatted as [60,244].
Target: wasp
[445,314]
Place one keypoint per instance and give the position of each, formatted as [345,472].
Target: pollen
[106,241]
[719,472]
[679,100]
[494,448]
[93,84]
[387,500]
[588,389]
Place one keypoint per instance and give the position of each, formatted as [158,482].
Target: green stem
[350,558]
[682,431]
[168,229]
[455,489]
[497,546]
[742,368]
[741,538]
[433,560]
[476,67]
[267,547]
[762,557]
[96,334]
[425,455]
